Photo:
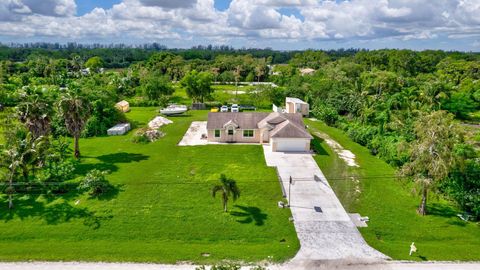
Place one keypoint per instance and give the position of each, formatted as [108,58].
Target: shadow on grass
[249,214]
[111,193]
[122,157]
[52,212]
[108,162]
[441,210]
[177,115]
[317,146]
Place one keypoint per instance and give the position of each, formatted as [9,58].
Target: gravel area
[193,136]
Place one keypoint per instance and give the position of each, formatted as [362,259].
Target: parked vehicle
[174,109]
[224,108]
[248,108]
[214,109]
[235,108]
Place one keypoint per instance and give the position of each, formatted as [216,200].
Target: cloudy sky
[279,24]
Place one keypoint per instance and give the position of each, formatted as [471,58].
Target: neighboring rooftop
[295,100]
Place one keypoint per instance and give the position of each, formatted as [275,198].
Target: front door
[230,135]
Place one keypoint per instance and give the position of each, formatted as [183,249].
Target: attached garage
[290,144]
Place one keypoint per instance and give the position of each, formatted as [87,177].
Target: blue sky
[278,24]
[85,6]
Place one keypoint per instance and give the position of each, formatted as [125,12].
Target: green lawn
[232,87]
[391,206]
[161,211]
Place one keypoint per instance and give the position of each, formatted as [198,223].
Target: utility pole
[289,188]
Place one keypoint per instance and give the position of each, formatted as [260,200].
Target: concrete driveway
[324,228]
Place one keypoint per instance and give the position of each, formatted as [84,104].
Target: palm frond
[215,189]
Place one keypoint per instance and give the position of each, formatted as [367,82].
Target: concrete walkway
[324,228]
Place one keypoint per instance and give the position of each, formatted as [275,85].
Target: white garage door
[291,145]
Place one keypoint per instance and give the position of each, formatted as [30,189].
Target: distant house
[284,132]
[307,71]
[123,106]
[295,105]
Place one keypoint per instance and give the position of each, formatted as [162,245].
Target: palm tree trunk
[25,173]
[10,195]
[225,199]
[422,208]
[77,147]
[10,201]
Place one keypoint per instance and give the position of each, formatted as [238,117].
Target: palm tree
[75,110]
[19,156]
[227,188]
[36,115]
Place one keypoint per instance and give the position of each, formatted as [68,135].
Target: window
[248,133]
[230,131]
[217,133]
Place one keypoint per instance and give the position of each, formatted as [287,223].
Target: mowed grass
[391,207]
[161,210]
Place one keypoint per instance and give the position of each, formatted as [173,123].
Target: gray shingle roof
[244,120]
[281,125]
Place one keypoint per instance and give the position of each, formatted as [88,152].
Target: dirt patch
[345,155]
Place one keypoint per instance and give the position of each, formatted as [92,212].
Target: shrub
[361,134]
[464,187]
[95,183]
[326,113]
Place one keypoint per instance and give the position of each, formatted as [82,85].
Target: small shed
[295,105]
[123,106]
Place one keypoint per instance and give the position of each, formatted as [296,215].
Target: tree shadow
[111,193]
[317,146]
[122,157]
[249,214]
[109,161]
[53,212]
[441,210]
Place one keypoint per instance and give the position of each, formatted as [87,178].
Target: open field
[391,206]
[161,209]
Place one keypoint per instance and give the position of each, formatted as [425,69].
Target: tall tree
[75,111]
[432,154]
[227,188]
[197,84]
[156,86]
[95,63]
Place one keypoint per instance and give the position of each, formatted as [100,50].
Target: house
[123,106]
[307,71]
[284,132]
[295,105]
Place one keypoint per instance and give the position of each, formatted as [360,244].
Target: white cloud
[155,20]
[169,4]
